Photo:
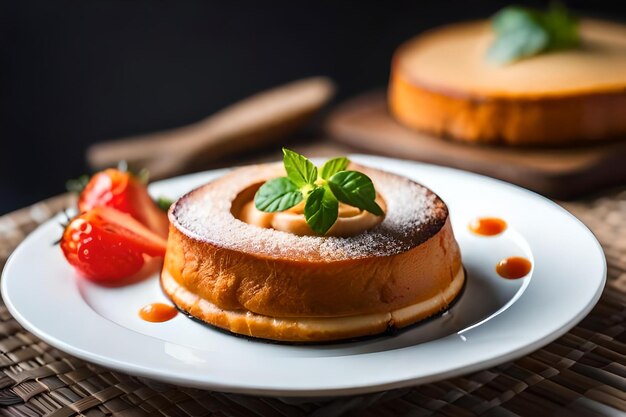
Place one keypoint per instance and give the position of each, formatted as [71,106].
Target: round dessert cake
[272,284]
[442,83]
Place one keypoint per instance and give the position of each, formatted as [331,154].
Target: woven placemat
[582,373]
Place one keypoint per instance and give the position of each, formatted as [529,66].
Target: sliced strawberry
[146,210]
[107,188]
[106,245]
[124,192]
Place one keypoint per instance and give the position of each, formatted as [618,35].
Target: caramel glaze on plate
[514,267]
[157,312]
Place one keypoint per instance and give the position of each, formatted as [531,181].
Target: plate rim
[285,391]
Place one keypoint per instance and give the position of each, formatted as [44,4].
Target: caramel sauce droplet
[157,312]
[487,226]
[514,267]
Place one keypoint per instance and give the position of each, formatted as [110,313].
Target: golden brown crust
[307,329]
[552,121]
[416,258]
[547,117]
[281,288]
[207,214]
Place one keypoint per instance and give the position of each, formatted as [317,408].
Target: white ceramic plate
[495,320]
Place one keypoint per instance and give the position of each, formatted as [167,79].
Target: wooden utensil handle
[250,123]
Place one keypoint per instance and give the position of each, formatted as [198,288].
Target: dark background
[78,72]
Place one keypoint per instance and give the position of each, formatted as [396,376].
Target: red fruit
[108,188]
[106,245]
[124,192]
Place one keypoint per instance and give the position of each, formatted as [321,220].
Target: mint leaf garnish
[333,166]
[277,194]
[513,45]
[562,26]
[355,189]
[320,189]
[299,169]
[523,32]
[321,210]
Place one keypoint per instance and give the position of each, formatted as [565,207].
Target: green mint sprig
[163,203]
[322,189]
[523,32]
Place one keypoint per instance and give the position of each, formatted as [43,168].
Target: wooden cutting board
[364,122]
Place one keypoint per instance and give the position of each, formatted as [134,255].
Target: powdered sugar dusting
[413,215]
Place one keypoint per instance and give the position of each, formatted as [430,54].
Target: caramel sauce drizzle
[514,267]
[487,226]
[157,312]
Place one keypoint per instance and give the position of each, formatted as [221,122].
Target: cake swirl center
[350,221]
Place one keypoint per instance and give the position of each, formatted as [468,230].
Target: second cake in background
[442,82]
